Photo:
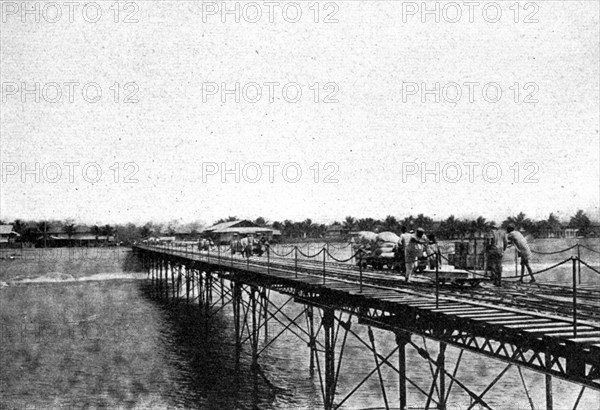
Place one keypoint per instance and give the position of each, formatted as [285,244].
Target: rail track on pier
[538,297]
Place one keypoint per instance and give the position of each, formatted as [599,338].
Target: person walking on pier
[413,251]
[517,239]
[246,244]
[495,252]
[433,253]
[400,249]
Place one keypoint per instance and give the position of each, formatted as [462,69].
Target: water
[103,342]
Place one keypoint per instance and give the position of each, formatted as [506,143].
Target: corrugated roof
[222,225]
[230,224]
[6,229]
[244,229]
[79,237]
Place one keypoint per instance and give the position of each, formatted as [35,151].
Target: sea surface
[104,341]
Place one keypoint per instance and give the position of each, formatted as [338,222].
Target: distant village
[21,233]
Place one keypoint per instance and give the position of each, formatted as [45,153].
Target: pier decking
[527,333]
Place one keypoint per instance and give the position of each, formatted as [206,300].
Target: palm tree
[288,228]
[145,231]
[553,222]
[70,230]
[307,227]
[409,222]
[19,226]
[366,224]
[520,222]
[449,228]
[580,221]
[42,227]
[422,221]
[96,231]
[481,225]
[108,231]
[390,223]
[349,223]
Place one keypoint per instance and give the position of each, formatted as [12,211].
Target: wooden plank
[537,325]
[515,319]
[405,301]
[490,318]
[431,306]
[399,299]
[489,312]
[545,330]
[586,340]
[522,322]
[425,304]
[570,333]
[464,310]
[457,306]
[340,286]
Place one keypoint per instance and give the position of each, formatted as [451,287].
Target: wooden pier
[560,339]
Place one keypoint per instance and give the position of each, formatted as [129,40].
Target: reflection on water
[108,344]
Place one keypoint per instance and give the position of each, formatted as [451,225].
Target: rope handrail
[588,248]
[339,248]
[594,269]
[342,260]
[311,256]
[541,271]
[555,252]
[282,255]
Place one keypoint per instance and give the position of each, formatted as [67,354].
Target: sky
[177,111]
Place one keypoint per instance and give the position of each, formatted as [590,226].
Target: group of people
[499,241]
[412,246]
[249,245]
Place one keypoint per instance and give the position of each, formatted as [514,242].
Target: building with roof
[336,231]
[225,232]
[7,235]
[82,236]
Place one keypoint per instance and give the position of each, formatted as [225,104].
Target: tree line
[449,228]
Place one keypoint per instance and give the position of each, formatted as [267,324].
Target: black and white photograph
[300,205]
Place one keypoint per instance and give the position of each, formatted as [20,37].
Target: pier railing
[328,265]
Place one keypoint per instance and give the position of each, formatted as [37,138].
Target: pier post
[187,285]
[167,269]
[200,289]
[265,305]
[401,340]
[441,364]
[296,260]
[579,263]
[311,342]
[208,288]
[158,277]
[255,330]
[178,283]
[173,267]
[328,321]
[222,292]
[549,400]
[574,297]
[152,268]
[237,293]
